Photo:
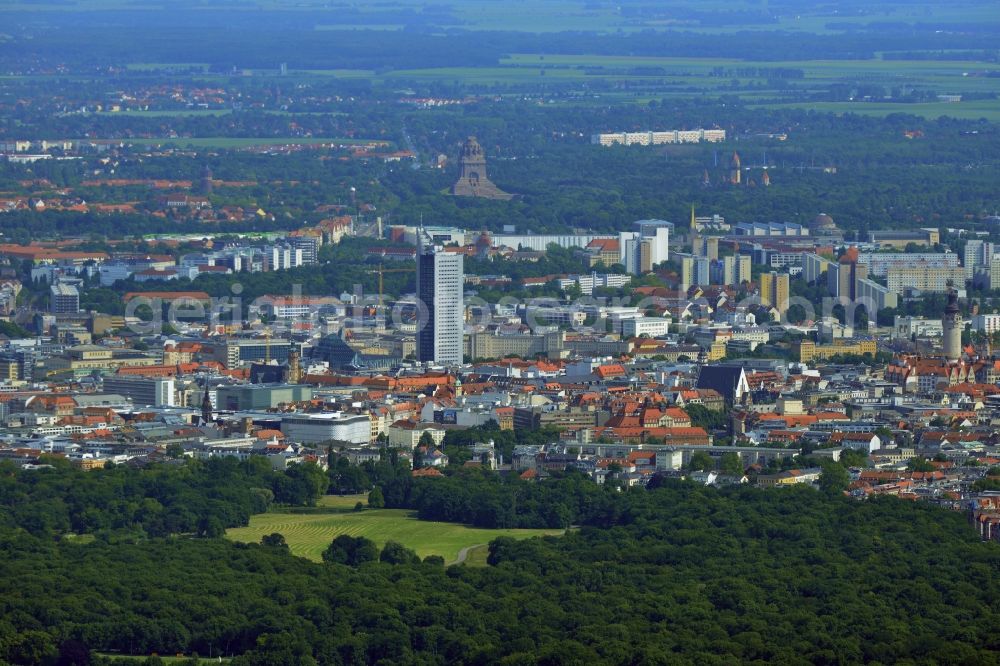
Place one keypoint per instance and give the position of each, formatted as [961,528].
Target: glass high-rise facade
[440,285]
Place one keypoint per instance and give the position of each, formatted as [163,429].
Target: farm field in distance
[309,532]
[971,110]
[958,75]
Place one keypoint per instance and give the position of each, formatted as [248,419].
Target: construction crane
[267,345]
[381,270]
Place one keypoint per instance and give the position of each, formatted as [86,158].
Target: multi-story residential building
[879,263]
[642,250]
[814,267]
[776,258]
[657,138]
[308,245]
[923,277]
[540,243]
[977,253]
[283,257]
[694,270]
[649,326]
[987,276]
[842,276]
[986,323]
[875,296]
[774,291]
[587,283]
[10,368]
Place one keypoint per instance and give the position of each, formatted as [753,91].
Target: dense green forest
[181,496]
[679,574]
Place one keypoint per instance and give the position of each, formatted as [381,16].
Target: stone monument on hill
[472,180]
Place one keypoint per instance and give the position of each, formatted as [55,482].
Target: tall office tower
[440,290]
[697,245]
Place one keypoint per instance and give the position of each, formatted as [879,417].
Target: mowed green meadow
[309,532]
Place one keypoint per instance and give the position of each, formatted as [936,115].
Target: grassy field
[950,75]
[687,77]
[309,532]
[972,110]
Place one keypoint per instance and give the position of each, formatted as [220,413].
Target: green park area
[309,531]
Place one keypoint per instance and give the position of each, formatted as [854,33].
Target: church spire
[206,407]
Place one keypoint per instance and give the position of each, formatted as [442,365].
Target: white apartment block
[653,327]
[651,138]
[587,283]
[986,323]
[879,263]
[924,277]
